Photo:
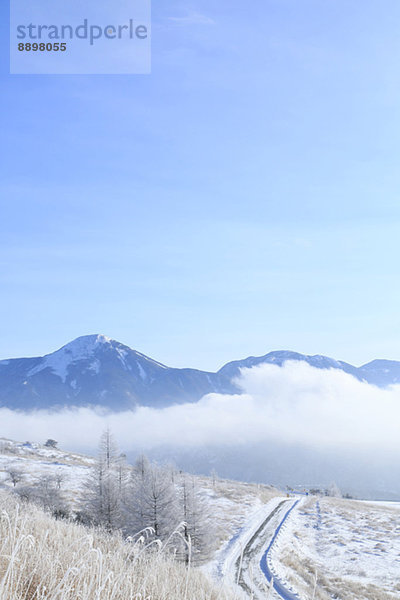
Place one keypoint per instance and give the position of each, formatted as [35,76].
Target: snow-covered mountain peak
[82,348]
[91,355]
[87,344]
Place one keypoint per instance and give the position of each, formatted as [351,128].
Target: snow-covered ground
[234,506]
[334,548]
[33,461]
[327,549]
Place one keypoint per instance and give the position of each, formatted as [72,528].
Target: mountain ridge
[97,370]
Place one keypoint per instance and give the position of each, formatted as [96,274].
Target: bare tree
[103,493]
[333,491]
[214,477]
[161,503]
[46,492]
[153,501]
[197,527]
[59,478]
[15,476]
[136,505]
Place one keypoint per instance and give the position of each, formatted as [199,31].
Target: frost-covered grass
[45,559]
[346,549]
[234,504]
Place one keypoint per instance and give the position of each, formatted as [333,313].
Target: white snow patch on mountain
[122,354]
[150,360]
[59,362]
[95,366]
[142,372]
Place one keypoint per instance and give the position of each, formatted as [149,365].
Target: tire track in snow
[266,566]
[248,549]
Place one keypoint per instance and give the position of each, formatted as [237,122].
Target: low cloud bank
[293,404]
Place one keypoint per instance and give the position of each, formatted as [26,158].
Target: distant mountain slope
[96,370]
[232,369]
[381,372]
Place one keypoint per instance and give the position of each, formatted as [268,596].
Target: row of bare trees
[148,499]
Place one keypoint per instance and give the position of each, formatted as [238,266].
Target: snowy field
[34,461]
[333,548]
[328,548]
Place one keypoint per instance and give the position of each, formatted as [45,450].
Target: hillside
[316,547]
[231,502]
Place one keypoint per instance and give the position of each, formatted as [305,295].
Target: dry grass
[239,491]
[45,559]
[328,586]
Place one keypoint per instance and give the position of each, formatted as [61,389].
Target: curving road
[243,562]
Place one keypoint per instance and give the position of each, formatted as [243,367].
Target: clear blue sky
[242,198]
